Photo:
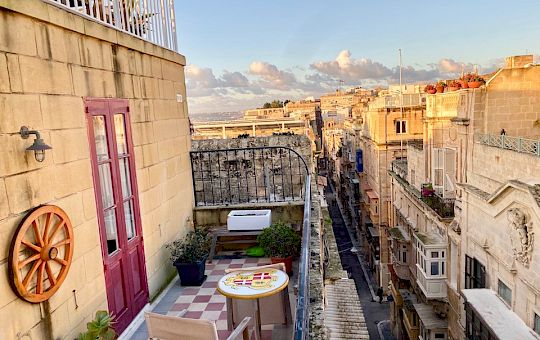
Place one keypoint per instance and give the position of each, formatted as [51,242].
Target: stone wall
[513,103]
[504,164]
[50,60]
[488,238]
[250,176]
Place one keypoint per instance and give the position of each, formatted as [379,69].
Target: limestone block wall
[486,236]
[513,102]
[491,167]
[49,61]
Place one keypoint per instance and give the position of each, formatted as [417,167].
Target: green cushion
[256,251]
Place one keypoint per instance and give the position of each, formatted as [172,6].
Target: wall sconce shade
[38,146]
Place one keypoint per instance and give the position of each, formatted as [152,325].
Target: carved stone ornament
[521,235]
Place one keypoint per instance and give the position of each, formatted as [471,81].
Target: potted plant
[454,85]
[100,328]
[280,242]
[440,86]
[464,80]
[189,256]
[427,190]
[476,81]
[430,89]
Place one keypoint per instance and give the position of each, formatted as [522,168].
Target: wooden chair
[275,309]
[177,328]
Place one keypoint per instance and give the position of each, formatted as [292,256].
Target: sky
[243,53]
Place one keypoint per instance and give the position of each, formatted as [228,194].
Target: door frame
[108,107]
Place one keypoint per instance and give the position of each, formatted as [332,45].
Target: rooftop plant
[454,83]
[194,247]
[442,83]
[279,240]
[429,87]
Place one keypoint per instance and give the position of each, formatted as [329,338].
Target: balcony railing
[444,207]
[268,174]
[523,145]
[230,176]
[399,166]
[150,20]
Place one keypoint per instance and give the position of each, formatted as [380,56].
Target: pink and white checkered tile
[205,302]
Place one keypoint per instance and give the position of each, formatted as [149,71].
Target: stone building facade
[383,137]
[472,237]
[65,75]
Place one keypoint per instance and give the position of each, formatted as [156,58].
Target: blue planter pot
[191,274]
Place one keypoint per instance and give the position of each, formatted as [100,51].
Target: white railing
[151,20]
[394,101]
[529,146]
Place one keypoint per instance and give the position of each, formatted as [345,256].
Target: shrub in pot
[454,85]
[441,85]
[281,243]
[430,89]
[189,256]
[476,81]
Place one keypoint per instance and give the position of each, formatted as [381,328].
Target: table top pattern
[253,284]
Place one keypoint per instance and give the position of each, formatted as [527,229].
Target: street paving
[374,312]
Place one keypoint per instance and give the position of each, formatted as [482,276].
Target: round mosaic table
[252,285]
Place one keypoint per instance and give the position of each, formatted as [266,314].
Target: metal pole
[400,105]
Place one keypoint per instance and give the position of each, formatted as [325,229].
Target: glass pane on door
[125,178]
[130,220]
[120,133]
[105,181]
[100,137]
[111,232]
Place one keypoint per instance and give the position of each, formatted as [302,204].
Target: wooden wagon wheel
[41,253]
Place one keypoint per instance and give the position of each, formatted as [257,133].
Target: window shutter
[449,172]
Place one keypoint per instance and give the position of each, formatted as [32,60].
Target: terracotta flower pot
[287,261]
[440,89]
[453,88]
[464,84]
[475,84]
[432,91]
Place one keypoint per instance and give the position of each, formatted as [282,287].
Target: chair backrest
[176,328]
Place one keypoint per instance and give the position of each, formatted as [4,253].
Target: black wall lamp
[38,146]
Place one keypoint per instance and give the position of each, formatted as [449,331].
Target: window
[536,325]
[505,293]
[401,126]
[438,179]
[475,328]
[475,273]
[412,177]
[443,170]
[431,261]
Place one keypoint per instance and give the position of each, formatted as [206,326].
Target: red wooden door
[115,185]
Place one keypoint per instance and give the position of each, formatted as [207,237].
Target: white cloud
[352,70]
[263,81]
[272,77]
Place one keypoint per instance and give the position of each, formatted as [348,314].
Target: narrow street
[374,312]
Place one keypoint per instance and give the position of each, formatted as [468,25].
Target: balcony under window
[431,264]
